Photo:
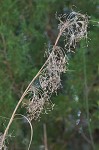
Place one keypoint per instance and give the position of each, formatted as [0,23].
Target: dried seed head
[37,103]
[74,28]
[50,79]
[35,107]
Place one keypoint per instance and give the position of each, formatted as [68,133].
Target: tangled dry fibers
[73,28]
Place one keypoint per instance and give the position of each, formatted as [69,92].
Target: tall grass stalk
[73,27]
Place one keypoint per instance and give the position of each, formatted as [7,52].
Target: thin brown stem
[45,137]
[25,92]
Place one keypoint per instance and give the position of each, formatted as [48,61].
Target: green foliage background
[26,28]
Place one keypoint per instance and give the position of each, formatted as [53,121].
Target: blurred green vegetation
[26,28]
